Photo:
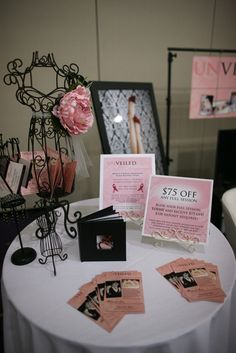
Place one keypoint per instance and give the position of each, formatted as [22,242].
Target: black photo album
[102,236]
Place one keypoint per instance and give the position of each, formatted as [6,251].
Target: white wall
[123,40]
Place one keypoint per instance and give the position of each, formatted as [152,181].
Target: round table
[37,318]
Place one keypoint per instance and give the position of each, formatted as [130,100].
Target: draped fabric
[38,319]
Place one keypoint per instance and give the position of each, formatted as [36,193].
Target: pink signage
[213,93]
[124,182]
[178,209]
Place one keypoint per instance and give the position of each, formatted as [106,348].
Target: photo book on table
[102,236]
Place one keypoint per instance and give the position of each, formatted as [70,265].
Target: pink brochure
[178,209]
[124,182]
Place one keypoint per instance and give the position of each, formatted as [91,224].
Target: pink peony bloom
[74,111]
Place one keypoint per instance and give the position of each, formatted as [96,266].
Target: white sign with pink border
[124,182]
[178,209]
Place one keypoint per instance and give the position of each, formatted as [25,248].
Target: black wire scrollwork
[65,78]
[45,131]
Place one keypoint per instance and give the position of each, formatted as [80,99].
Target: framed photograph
[127,119]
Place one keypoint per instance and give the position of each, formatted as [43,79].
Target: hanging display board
[213,93]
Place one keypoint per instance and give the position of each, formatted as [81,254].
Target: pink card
[124,182]
[178,209]
[213,93]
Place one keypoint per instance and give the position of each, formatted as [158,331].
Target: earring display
[13,206]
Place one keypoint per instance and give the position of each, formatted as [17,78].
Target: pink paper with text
[124,182]
[178,209]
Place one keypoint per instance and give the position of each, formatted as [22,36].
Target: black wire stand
[14,204]
[46,134]
[50,242]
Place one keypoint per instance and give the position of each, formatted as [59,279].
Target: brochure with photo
[91,291]
[178,209]
[86,306]
[109,296]
[124,182]
[102,236]
[194,279]
[124,292]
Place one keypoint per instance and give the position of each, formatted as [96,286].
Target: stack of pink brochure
[194,279]
[109,296]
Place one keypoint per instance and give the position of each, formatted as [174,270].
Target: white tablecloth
[37,318]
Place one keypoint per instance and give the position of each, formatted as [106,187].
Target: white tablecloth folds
[37,318]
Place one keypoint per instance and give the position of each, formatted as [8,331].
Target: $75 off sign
[173,193]
[178,205]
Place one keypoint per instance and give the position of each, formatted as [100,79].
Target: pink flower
[74,111]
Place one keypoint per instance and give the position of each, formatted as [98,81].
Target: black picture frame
[102,236]
[110,103]
[88,240]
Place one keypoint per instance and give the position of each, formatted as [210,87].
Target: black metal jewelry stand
[24,255]
[170,57]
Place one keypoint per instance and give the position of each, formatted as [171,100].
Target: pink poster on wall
[124,182]
[178,209]
[213,92]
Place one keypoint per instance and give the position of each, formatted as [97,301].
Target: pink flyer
[124,182]
[178,209]
[213,92]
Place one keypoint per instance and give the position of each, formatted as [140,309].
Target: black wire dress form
[45,133]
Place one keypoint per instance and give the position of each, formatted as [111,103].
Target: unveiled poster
[124,182]
[213,92]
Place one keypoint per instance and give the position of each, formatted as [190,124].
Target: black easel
[172,55]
